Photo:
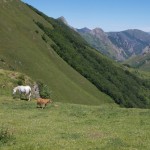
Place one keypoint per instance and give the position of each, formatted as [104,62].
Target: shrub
[20,82]
[44,90]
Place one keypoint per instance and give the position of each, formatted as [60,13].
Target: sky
[110,15]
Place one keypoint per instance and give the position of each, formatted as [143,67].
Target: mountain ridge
[98,39]
[126,46]
[106,42]
[125,43]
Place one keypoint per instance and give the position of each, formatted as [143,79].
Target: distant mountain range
[99,39]
[130,46]
[119,46]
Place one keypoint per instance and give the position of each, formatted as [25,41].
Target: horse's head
[14,90]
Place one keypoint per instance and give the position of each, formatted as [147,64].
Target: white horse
[23,90]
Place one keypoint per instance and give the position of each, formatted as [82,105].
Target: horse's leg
[20,94]
[26,95]
[29,96]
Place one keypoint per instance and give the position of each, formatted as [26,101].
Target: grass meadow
[62,126]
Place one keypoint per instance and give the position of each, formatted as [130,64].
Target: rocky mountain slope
[98,39]
[117,45]
[132,42]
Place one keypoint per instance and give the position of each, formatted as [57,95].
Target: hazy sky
[110,15]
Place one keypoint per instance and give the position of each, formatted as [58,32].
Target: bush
[21,80]
[44,90]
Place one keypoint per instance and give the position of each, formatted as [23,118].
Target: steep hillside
[98,39]
[23,48]
[125,88]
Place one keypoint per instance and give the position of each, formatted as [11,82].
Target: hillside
[23,49]
[69,126]
[30,42]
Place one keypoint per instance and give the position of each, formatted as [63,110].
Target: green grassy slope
[23,49]
[67,126]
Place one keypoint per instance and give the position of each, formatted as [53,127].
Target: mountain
[84,30]
[47,49]
[63,20]
[132,42]
[98,39]
[117,45]
[136,45]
